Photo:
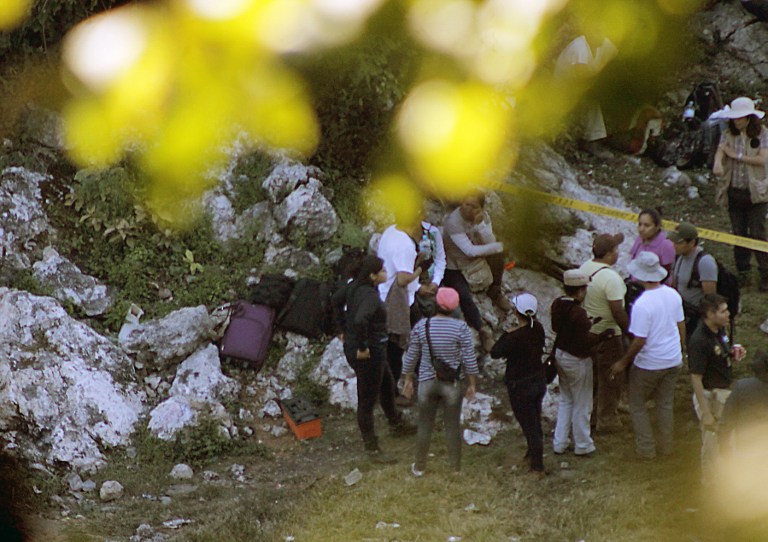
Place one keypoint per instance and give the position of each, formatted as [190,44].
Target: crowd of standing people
[620,343]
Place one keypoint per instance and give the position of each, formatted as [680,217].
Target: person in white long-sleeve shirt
[468,235]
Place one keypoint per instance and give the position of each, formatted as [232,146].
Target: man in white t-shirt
[398,249]
[656,355]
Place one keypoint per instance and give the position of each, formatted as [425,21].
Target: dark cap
[605,242]
[685,231]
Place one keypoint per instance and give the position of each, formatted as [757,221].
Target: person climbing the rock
[475,261]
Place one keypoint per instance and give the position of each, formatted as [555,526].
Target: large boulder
[199,386]
[737,46]
[68,392]
[306,215]
[200,378]
[70,284]
[286,177]
[161,343]
[334,372]
[23,221]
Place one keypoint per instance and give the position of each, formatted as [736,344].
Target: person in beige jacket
[740,163]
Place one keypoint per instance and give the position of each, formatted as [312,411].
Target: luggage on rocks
[272,290]
[249,332]
[308,310]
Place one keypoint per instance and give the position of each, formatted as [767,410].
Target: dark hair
[655,215]
[753,127]
[710,303]
[369,265]
[572,290]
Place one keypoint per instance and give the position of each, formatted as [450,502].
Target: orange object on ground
[302,418]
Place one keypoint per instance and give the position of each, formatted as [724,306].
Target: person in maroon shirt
[574,366]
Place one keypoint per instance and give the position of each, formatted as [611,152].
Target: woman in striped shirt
[451,342]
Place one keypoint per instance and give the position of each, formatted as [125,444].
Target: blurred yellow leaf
[12,12]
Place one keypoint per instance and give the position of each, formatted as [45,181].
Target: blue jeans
[432,394]
[658,385]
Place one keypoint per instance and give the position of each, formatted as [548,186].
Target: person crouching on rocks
[523,346]
[363,318]
[441,339]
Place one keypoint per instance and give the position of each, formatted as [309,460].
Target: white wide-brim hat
[740,107]
[646,268]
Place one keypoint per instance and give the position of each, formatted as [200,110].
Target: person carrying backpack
[743,186]
[694,273]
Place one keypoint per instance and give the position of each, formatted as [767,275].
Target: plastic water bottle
[690,111]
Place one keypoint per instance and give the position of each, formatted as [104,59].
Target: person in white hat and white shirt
[523,346]
[656,353]
[743,188]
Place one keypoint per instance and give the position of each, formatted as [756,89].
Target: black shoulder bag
[444,372]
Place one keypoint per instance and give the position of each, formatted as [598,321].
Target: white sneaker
[417,473]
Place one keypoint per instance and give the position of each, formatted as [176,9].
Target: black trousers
[526,396]
[454,278]
[374,385]
[748,220]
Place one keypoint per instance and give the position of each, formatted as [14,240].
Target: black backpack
[308,310]
[272,290]
[727,283]
[706,99]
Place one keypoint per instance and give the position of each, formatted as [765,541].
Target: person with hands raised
[441,347]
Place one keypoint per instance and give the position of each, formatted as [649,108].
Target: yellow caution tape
[669,225]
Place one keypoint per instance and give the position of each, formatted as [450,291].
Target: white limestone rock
[23,221]
[199,378]
[182,471]
[70,284]
[68,392]
[305,214]
[170,416]
[287,176]
[296,352]
[161,343]
[110,490]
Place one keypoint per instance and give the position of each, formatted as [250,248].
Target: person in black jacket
[523,346]
[362,316]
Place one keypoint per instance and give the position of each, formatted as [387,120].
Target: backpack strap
[596,272]
[695,280]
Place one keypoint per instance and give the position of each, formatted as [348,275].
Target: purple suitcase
[248,334]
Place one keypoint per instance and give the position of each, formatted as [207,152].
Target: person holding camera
[441,348]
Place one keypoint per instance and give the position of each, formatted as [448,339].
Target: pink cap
[447,298]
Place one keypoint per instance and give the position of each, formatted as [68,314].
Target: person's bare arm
[619,314]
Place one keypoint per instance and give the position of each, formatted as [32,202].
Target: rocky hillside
[81,380]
